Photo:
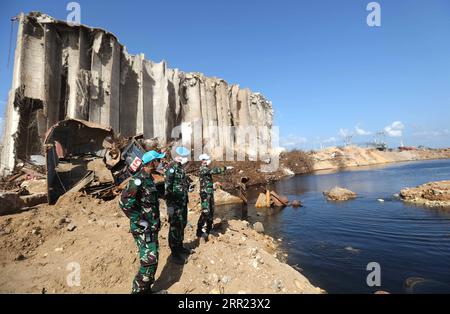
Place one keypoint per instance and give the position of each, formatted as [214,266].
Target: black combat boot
[178,258]
[163,291]
[185,251]
[203,238]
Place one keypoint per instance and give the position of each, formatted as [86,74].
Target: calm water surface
[332,243]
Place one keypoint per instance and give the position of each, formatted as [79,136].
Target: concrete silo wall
[67,71]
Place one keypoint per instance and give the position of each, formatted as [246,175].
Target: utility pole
[348,140]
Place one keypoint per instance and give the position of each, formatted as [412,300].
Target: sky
[328,74]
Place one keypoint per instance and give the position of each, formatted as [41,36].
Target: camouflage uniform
[139,201]
[176,191]
[207,198]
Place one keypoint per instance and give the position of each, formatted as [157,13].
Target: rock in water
[433,194]
[412,281]
[296,203]
[261,201]
[338,194]
[352,250]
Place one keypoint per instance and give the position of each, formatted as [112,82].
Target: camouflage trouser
[148,255]
[177,211]
[207,215]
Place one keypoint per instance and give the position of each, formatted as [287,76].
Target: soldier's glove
[144,224]
[205,211]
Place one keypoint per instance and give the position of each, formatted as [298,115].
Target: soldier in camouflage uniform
[205,221]
[139,202]
[176,192]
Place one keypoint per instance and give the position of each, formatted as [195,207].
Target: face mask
[184,160]
[181,160]
[207,162]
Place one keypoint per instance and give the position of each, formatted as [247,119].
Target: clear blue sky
[326,72]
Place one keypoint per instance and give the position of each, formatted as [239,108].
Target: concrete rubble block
[35,186]
[10,202]
[338,194]
[258,227]
[71,227]
[222,197]
[261,201]
[34,199]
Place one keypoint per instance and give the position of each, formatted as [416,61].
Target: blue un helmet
[152,155]
[182,151]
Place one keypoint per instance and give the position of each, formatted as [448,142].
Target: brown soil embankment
[335,158]
[41,248]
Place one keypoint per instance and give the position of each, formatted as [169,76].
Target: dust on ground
[38,249]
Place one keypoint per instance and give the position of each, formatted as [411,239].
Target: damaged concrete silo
[65,71]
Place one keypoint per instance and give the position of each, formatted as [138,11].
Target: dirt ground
[38,253]
[40,247]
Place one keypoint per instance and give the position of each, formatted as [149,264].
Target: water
[332,243]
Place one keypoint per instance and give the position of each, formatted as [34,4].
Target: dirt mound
[41,248]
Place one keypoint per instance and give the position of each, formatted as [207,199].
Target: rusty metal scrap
[85,156]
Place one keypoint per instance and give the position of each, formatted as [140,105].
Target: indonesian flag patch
[137,162]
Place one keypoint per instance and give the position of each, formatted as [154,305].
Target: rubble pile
[433,194]
[80,156]
[27,187]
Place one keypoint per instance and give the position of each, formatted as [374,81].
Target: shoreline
[371,166]
[353,156]
[39,238]
[37,246]
[322,162]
